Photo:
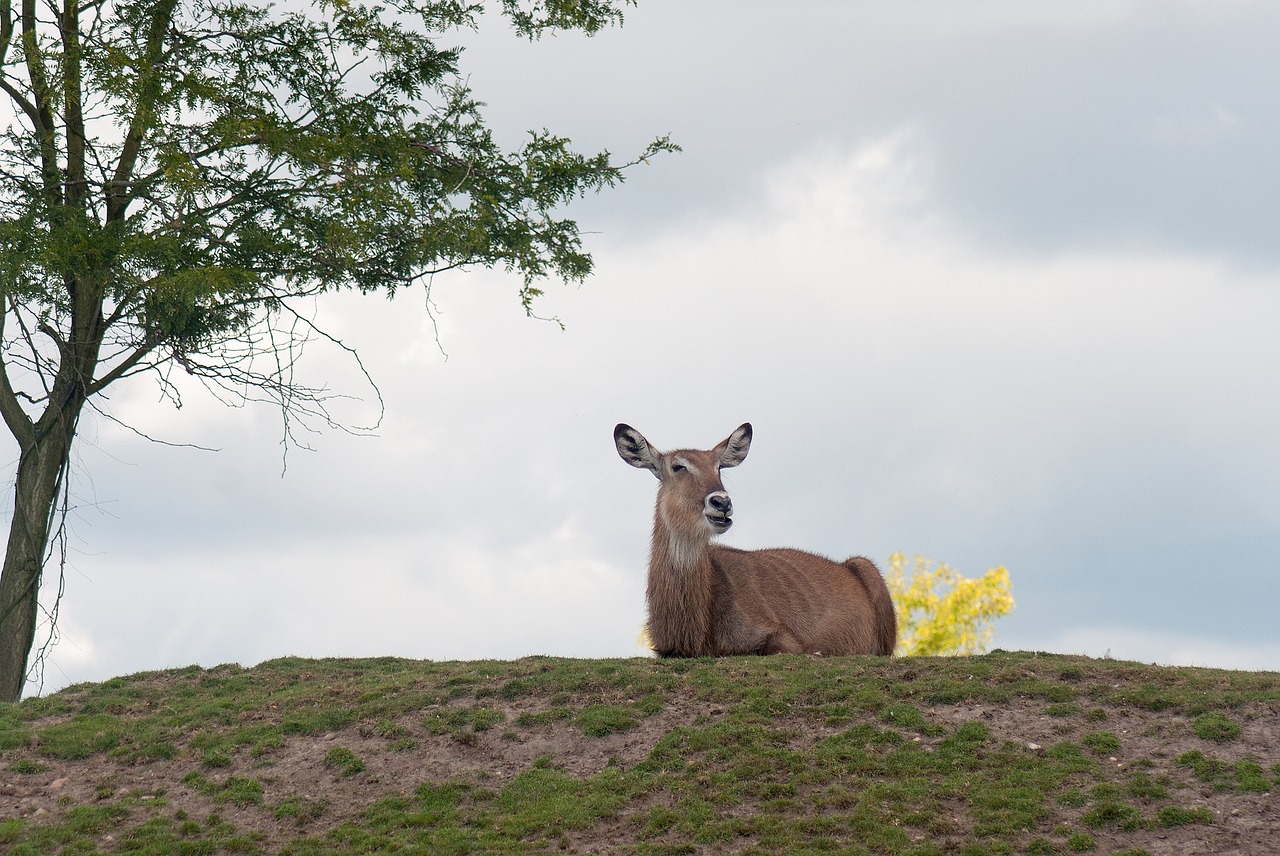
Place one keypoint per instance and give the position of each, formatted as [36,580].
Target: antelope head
[692,501]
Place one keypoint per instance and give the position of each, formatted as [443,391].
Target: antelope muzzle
[718,509]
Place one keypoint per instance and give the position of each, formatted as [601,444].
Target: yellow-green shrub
[942,612]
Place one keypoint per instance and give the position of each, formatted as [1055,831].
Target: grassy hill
[1004,753]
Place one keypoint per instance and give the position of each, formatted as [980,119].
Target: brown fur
[710,600]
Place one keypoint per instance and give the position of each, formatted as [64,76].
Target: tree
[941,611]
[177,174]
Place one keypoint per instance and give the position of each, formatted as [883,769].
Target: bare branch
[125,425]
[23,103]
[15,417]
[122,369]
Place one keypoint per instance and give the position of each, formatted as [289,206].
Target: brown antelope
[710,600]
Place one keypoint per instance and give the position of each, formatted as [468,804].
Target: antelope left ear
[634,448]
[733,450]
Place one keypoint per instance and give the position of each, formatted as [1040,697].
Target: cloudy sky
[997,282]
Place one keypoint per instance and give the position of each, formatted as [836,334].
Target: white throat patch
[685,552]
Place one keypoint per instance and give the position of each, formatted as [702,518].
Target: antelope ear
[634,448]
[733,450]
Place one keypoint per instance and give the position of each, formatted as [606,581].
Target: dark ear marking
[634,448]
[733,450]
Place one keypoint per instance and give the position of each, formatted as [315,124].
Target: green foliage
[252,150]
[1205,768]
[1250,777]
[941,612]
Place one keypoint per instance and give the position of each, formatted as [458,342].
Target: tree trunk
[41,469]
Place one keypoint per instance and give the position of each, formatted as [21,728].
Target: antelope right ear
[634,448]
[733,450]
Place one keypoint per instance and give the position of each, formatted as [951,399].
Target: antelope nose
[720,504]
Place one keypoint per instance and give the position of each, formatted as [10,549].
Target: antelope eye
[678,468]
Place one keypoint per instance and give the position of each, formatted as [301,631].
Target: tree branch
[117,199]
[6,28]
[69,22]
[42,118]
[15,417]
[23,104]
[122,369]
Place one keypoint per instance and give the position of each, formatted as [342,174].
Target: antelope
[707,599]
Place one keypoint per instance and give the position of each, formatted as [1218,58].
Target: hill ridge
[1009,752]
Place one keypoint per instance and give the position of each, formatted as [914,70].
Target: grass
[1215,726]
[753,755]
[346,762]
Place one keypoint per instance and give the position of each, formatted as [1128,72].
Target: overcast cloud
[996,283]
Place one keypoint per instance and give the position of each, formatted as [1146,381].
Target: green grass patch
[903,716]
[462,723]
[529,719]
[1101,743]
[27,767]
[1113,813]
[83,829]
[1244,776]
[599,720]
[344,761]
[1081,842]
[1250,778]
[300,809]
[1206,769]
[238,790]
[1215,726]
[1144,787]
[1176,816]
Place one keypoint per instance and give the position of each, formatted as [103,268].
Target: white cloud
[912,389]
[408,595]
